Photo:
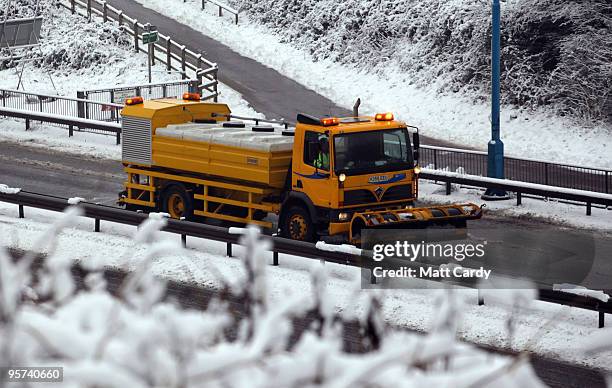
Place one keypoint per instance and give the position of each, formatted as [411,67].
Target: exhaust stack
[356,107]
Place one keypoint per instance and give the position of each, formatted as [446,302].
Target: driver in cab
[322,160]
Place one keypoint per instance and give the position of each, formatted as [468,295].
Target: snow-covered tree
[135,338]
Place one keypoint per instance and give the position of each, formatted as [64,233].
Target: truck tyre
[297,225]
[177,202]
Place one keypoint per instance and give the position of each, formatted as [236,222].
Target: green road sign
[150,37]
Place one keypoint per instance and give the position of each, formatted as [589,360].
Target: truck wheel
[297,224]
[177,202]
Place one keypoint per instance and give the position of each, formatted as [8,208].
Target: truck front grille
[362,196]
[397,193]
[357,197]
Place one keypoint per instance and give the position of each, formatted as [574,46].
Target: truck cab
[343,166]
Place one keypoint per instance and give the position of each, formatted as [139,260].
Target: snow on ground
[446,117]
[546,329]
[550,210]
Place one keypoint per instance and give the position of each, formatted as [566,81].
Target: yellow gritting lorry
[325,177]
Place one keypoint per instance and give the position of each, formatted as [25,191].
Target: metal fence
[524,170]
[168,51]
[221,7]
[61,106]
[149,91]
[72,123]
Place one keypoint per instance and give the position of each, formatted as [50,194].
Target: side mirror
[416,142]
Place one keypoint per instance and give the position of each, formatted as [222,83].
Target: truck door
[311,171]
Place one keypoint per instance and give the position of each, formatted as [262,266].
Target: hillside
[556,53]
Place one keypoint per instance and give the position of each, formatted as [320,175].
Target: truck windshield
[373,151]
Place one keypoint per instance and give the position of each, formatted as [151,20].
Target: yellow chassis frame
[202,193]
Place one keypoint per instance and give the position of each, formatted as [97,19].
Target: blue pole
[495,164]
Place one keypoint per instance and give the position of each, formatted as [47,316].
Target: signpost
[150,37]
[495,165]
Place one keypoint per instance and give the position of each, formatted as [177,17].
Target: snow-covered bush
[555,52]
[98,44]
[136,339]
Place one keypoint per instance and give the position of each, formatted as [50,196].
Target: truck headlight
[343,216]
[342,177]
[417,170]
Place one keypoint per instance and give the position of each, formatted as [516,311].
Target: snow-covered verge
[135,339]
[451,117]
[546,44]
[538,327]
[77,55]
[550,210]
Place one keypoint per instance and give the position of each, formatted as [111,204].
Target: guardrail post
[228,250]
[120,18]
[168,54]
[203,1]
[216,84]
[136,35]
[70,131]
[220,11]
[519,198]
[97,225]
[588,213]
[81,104]
[448,188]
[607,182]
[104,12]
[602,319]
[480,298]
[184,240]
[435,152]
[275,258]
[72,7]
[183,64]
[88,10]
[236,16]
[546,174]
[21,211]
[27,124]
[118,138]
[164,91]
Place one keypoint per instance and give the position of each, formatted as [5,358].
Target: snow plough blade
[414,218]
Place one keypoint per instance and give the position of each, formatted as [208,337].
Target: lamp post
[495,164]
